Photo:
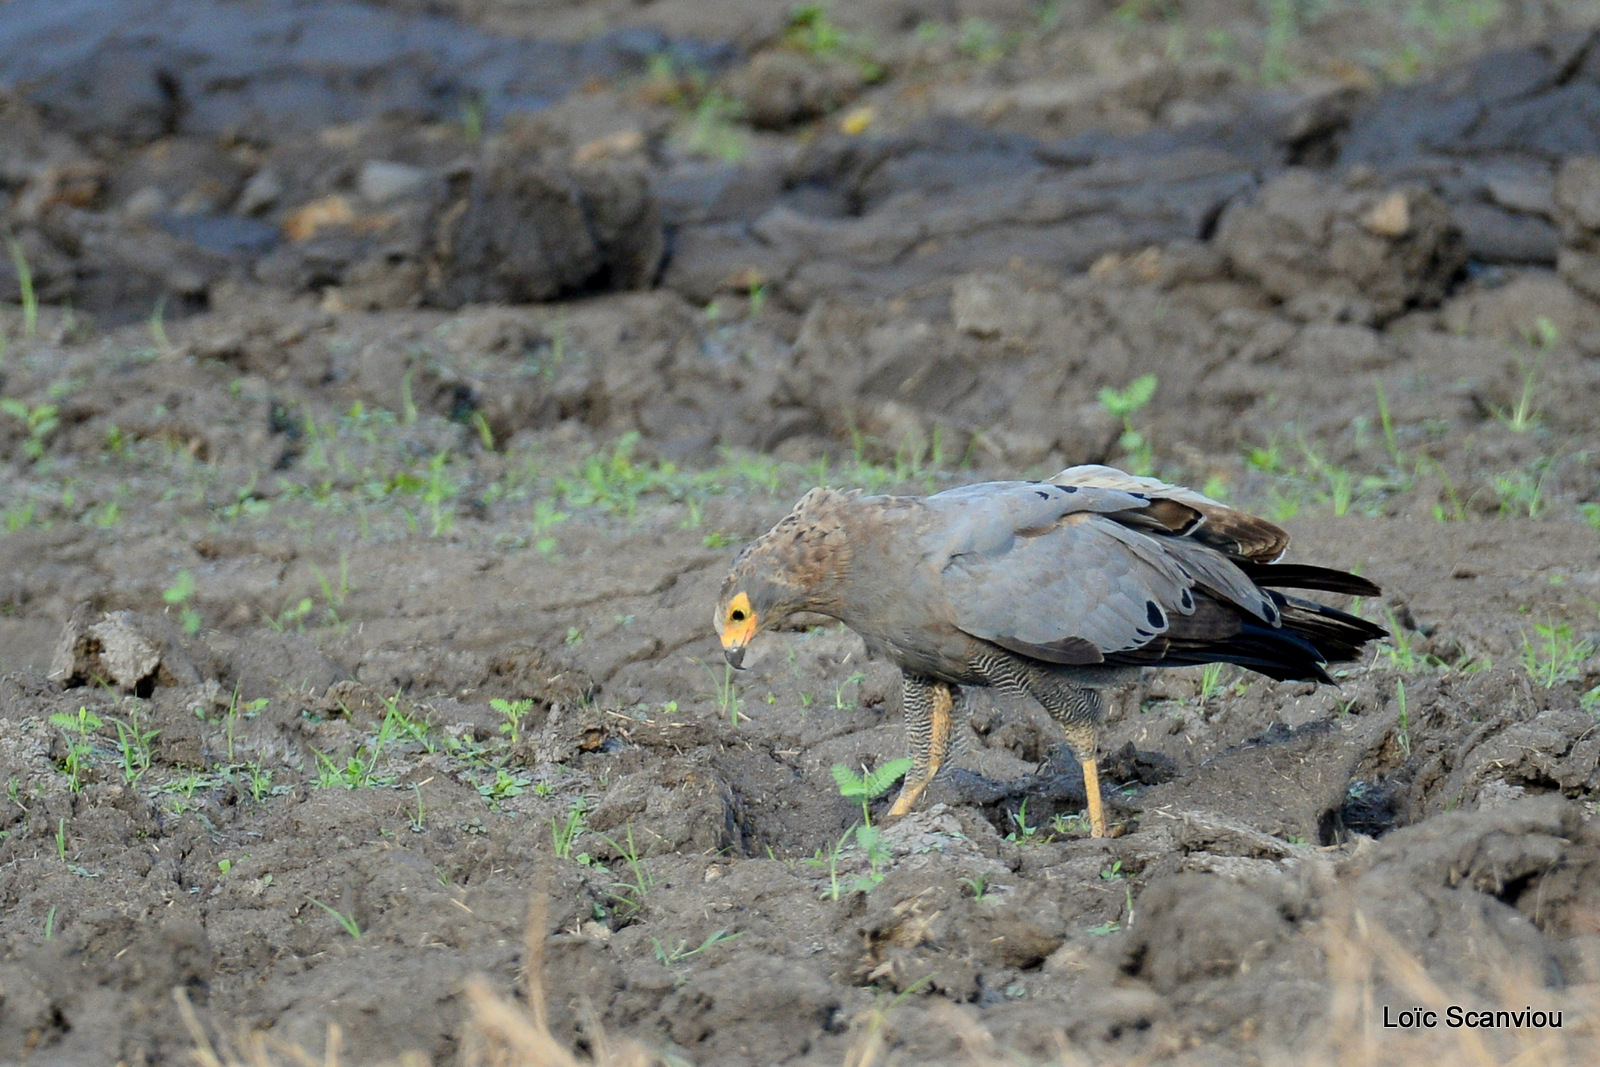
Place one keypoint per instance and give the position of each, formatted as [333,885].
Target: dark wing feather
[1307,576]
[1184,512]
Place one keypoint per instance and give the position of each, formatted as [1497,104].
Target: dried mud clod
[133,652]
[1352,252]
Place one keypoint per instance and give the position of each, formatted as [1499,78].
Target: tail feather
[1311,636]
[1307,576]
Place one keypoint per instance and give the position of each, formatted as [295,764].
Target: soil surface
[379,420]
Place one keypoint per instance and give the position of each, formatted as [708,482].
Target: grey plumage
[1050,588]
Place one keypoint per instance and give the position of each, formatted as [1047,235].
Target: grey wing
[986,518]
[1085,588]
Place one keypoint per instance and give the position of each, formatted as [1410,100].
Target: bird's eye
[737,615]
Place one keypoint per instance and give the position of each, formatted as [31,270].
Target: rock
[749,1010]
[989,305]
[305,221]
[1192,926]
[111,649]
[381,181]
[1577,201]
[1338,349]
[1390,217]
[260,193]
[1581,270]
[1395,248]
[524,230]
[145,204]
[780,88]
[670,810]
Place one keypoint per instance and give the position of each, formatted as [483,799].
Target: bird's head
[748,605]
[782,572]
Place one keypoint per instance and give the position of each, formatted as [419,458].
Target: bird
[1054,589]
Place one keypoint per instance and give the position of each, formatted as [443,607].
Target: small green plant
[39,421]
[864,788]
[50,924]
[504,786]
[728,696]
[713,129]
[831,860]
[291,615]
[1114,872]
[1387,423]
[1024,834]
[1283,27]
[334,594]
[158,324]
[179,594]
[630,892]
[1403,737]
[977,885]
[133,742]
[30,299]
[1268,460]
[869,785]
[513,711]
[346,921]
[1122,405]
[1524,415]
[419,821]
[1210,681]
[359,769]
[257,781]
[1553,655]
[1590,510]
[980,40]
[61,840]
[77,729]
[473,109]
[1522,491]
[682,951]
[839,703]
[249,710]
[1074,825]
[567,832]
[485,433]
[1399,649]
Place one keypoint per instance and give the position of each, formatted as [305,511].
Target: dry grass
[512,1033]
[1366,968]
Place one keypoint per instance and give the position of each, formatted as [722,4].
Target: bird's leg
[1078,711]
[929,712]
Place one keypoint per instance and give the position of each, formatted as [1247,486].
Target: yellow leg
[1091,785]
[928,708]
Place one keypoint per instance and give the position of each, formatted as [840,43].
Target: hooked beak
[735,636]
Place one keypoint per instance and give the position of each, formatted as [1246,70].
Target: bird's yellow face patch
[739,622]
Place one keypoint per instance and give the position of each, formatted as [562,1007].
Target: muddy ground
[378,422]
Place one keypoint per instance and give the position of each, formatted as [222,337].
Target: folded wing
[1099,567]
